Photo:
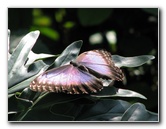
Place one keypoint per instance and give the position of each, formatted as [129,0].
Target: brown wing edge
[41,85]
[117,73]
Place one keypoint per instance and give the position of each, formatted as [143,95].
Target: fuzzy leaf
[117,92]
[70,53]
[19,74]
[34,57]
[131,61]
[8,44]
[103,110]
[138,112]
[16,68]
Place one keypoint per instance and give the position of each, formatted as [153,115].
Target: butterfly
[82,76]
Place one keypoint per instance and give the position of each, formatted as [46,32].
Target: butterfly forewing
[100,61]
[68,79]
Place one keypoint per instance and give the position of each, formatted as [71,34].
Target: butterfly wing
[100,61]
[68,79]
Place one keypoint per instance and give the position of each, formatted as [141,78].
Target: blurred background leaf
[93,16]
[153,11]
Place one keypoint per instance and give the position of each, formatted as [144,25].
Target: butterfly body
[81,76]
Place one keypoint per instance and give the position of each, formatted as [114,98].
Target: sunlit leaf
[16,68]
[59,14]
[70,53]
[20,75]
[117,92]
[131,61]
[47,31]
[39,66]
[69,24]
[42,21]
[8,44]
[33,57]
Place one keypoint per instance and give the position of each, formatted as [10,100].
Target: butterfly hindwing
[100,61]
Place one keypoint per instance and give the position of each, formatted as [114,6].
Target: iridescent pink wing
[68,79]
[100,62]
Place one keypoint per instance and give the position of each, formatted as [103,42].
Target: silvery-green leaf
[33,57]
[131,61]
[117,92]
[138,112]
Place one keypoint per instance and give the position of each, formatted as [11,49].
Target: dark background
[134,30]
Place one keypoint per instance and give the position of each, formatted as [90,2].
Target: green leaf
[48,99]
[29,94]
[19,74]
[103,110]
[16,104]
[48,32]
[115,110]
[138,112]
[43,103]
[42,21]
[32,57]
[93,16]
[45,115]
[16,68]
[36,69]
[21,52]
[131,61]
[70,53]
[117,92]
[70,109]
[69,25]
[153,11]
[8,44]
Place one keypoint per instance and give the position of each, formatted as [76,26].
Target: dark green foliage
[93,16]
[26,105]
